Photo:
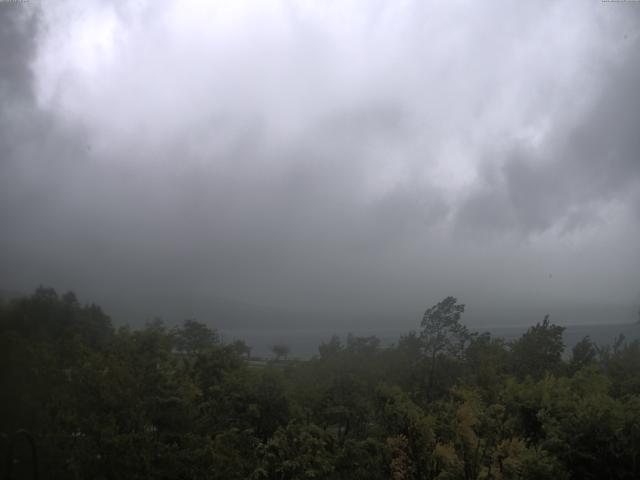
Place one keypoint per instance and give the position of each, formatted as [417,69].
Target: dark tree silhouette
[281,351]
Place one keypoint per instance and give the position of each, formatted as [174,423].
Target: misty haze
[287,239]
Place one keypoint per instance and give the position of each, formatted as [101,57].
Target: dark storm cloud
[17,118]
[17,43]
[191,159]
[588,161]
[36,159]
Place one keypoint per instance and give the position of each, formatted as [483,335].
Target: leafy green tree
[402,364]
[234,454]
[296,452]
[486,363]
[194,337]
[516,460]
[281,351]
[443,334]
[360,459]
[253,399]
[409,431]
[584,353]
[332,347]
[622,364]
[538,351]
[210,368]
[345,405]
[362,345]
[242,349]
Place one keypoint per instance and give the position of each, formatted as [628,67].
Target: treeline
[82,400]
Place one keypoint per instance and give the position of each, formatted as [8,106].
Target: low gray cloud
[588,162]
[348,159]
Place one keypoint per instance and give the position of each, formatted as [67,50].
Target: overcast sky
[355,158]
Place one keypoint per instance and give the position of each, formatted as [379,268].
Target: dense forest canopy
[81,399]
